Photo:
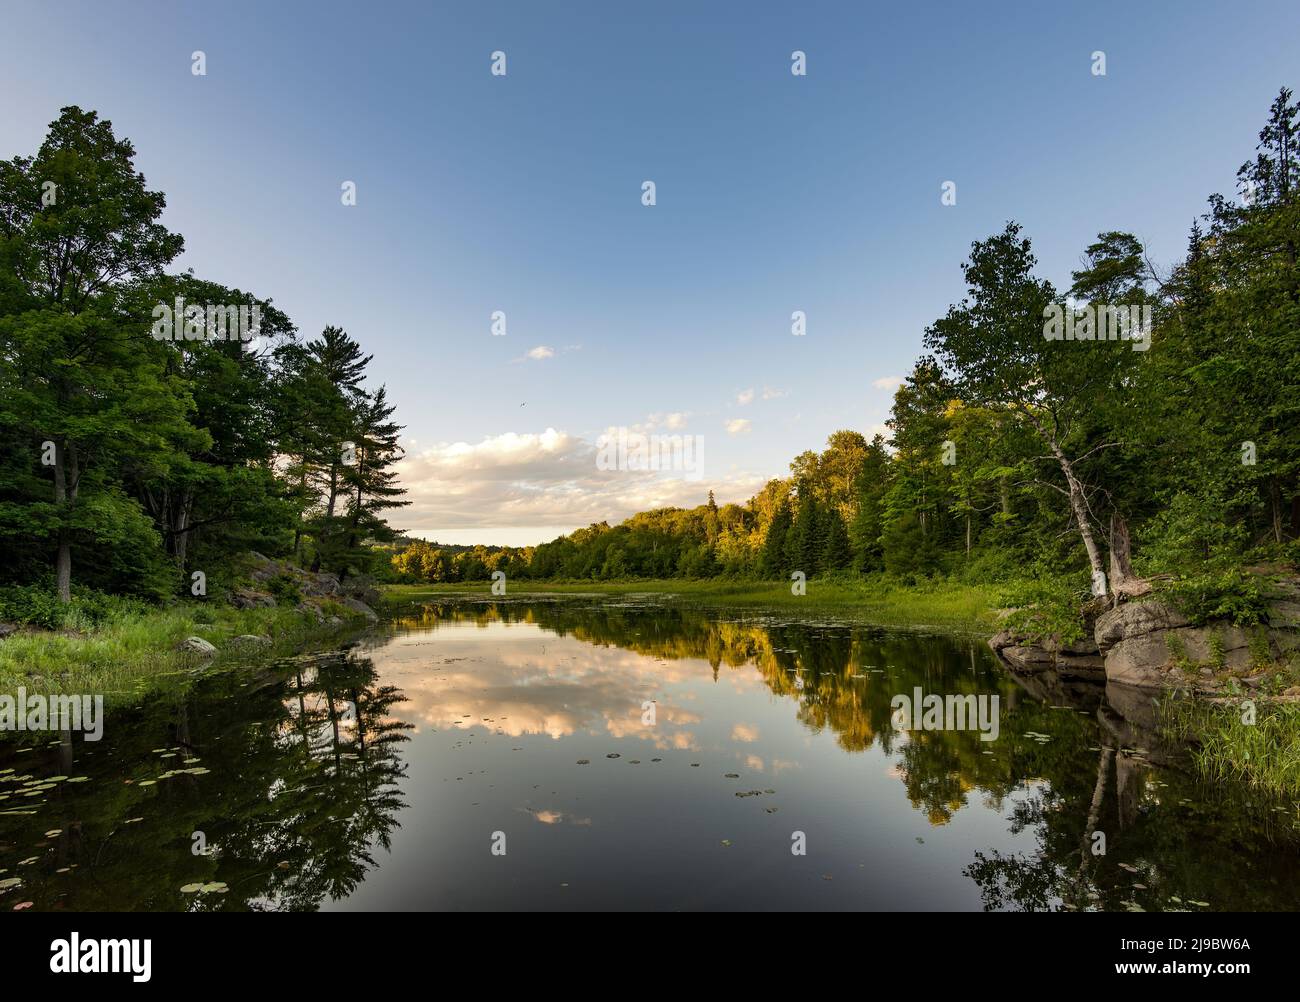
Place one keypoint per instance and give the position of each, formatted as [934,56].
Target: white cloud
[738,426]
[525,480]
[540,352]
[673,421]
[745,397]
[771,394]
[890,383]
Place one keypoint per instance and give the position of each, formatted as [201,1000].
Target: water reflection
[280,785]
[633,756]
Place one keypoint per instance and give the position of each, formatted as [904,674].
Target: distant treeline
[1035,437]
[146,437]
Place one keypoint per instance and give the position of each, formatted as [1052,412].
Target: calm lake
[585,753]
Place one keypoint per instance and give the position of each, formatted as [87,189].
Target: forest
[1017,451]
[140,465]
[145,466]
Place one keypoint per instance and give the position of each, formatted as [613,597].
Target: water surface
[624,755]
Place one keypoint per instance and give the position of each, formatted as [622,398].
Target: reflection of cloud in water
[526,681]
[549,817]
[747,733]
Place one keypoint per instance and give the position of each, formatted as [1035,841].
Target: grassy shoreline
[941,605]
[134,653]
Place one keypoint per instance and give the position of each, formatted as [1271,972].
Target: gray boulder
[248,598]
[197,645]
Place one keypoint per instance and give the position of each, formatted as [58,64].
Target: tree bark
[1121,562]
[1079,506]
[1275,504]
[181,531]
[65,496]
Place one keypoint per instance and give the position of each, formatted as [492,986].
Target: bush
[31,604]
[1229,594]
[1046,607]
[285,589]
[39,605]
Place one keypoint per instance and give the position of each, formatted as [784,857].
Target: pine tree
[835,552]
[773,563]
[805,541]
[371,482]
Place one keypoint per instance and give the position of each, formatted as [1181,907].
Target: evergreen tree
[805,541]
[773,560]
[836,554]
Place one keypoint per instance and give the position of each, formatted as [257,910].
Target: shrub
[285,589]
[1230,594]
[39,605]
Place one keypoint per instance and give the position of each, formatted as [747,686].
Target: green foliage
[1178,655]
[1230,594]
[40,605]
[285,589]
[1260,655]
[1044,607]
[1262,753]
[127,461]
[32,604]
[908,550]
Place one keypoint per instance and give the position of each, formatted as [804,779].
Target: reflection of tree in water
[1170,842]
[1183,841]
[337,794]
[303,770]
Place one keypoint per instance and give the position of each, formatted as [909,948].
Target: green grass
[941,604]
[132,651]
[1263,755]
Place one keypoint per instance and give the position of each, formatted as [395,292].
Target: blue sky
[522,193]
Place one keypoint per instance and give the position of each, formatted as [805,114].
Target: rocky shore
[1147,643]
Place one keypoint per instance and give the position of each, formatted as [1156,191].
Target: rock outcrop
[250,598]
[1070,659]
[1149,644]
